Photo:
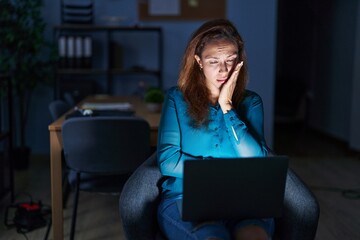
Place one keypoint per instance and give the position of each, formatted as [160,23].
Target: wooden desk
[56,148]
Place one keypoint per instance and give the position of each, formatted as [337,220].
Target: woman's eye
[213,62]
[231,61]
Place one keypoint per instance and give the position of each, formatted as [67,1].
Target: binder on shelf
[79,52]
[70,51]
[87,42]
[75,52]
[62,52]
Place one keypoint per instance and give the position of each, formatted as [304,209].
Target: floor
[331,171]
[325,164]
[98,216]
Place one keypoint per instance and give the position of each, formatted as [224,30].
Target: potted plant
[23,55]
[153,99]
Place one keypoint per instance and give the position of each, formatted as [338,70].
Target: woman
[209,114]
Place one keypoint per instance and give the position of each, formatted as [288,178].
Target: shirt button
[216,129]
[216,145]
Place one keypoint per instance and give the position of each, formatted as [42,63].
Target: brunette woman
[209,114]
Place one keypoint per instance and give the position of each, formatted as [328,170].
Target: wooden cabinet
[112,62]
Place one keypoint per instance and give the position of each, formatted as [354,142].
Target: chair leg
[65,183]
[76,199]
[66,190]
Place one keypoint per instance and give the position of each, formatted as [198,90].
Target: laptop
[232,189]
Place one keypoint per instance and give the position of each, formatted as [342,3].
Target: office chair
[102,152]
[69,98]
[140,197]
[58,108]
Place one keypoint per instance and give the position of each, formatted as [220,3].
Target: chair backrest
[112,145]
[69,99]
[139,200]
[58,108]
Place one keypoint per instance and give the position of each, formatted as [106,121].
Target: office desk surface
[56,148]
[139,106]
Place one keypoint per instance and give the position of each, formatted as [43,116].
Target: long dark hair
[192,80]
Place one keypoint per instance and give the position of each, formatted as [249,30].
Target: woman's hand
[227,89]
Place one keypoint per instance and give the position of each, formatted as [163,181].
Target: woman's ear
[198,60]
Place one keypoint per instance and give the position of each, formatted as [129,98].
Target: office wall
[256,21]
[354,132]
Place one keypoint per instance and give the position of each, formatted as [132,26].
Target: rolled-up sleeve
[247,136]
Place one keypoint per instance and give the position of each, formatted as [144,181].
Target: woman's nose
[223,67]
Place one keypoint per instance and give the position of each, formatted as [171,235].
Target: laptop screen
[224,189]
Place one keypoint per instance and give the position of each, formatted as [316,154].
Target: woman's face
[217,62]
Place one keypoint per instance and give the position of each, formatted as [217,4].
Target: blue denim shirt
[238,133]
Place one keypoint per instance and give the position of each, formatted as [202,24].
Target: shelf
[91,27]
[81,71]
[134,71]
[107,70]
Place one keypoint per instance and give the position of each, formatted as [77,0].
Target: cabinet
[104,52]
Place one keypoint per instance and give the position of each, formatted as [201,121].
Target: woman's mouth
[221,81]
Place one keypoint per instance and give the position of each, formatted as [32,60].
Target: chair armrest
[301,211]
[139,200]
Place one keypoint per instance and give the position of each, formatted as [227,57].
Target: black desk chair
[102,152]
[57,108]
[140,198]
[69,99]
